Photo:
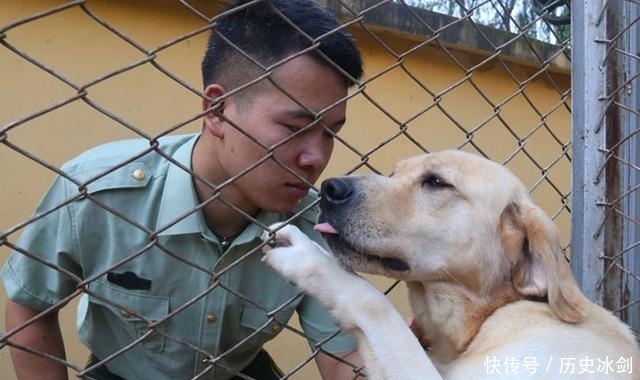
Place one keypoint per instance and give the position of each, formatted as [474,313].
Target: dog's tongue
[325,228]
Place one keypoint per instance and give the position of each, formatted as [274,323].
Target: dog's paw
[294,255]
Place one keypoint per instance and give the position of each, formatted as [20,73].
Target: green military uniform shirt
[123,227]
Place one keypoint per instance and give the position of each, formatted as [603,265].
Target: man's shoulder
[125,150]
[123,163]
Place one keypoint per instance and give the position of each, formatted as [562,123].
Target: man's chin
[283,207]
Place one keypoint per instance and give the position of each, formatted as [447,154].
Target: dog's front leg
[388,347]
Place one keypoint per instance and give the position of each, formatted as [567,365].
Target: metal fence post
[588,137]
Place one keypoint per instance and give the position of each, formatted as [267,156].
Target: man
[163,239]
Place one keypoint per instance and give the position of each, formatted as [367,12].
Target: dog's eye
[434,181]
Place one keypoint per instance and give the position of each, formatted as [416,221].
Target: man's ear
[213,105]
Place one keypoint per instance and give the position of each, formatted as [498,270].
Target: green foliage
[544,20]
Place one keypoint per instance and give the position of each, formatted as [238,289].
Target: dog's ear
[539,269]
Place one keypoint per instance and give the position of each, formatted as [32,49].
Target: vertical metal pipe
[588,137]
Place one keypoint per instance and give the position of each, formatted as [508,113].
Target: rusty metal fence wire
[507,95]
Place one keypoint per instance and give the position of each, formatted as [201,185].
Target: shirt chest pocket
[142,317]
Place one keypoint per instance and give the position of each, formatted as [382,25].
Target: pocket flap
[130,305]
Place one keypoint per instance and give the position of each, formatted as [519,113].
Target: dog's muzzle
[336,192]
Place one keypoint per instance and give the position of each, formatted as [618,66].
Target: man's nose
[315,153]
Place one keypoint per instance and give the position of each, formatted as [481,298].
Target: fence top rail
[417,24]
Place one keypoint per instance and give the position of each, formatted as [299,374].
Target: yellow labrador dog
[491,292]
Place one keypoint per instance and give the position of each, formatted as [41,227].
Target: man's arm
[332,369]
[43,335]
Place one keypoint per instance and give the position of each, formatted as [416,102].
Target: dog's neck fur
[450,315]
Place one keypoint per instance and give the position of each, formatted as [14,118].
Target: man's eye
[291,128]
[330,133]
[433,181]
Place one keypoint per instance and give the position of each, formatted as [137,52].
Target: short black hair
[269,31]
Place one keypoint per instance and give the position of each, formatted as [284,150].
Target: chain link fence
[488,76]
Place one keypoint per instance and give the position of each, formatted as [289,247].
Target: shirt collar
[179,213]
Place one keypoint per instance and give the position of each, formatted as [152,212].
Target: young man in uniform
[162,239]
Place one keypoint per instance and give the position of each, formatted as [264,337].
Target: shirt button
[211,318]
[276,328]
[138,174]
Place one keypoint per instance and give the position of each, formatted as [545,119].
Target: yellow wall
[79,49]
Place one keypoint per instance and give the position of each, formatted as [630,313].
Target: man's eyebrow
[308,115]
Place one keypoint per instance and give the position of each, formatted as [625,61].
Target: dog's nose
[336,190]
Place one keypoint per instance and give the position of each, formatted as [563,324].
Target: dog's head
[449,217]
